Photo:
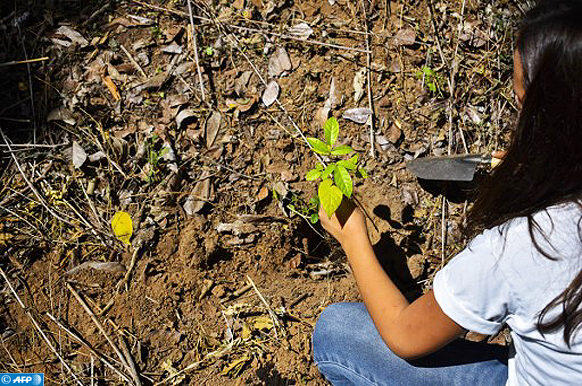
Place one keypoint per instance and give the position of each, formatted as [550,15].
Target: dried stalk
[99,325]
[81,340]
[195,47]
[37,326]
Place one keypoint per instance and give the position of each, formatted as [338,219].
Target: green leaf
[330,197]
[328,170]
[342,150]
[349,164]
[313,203]
[319,167]
[314,218]
[318,146]
[313,174]
[331,130]
[343,180]
[363,172]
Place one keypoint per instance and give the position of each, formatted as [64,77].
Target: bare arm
[411,330]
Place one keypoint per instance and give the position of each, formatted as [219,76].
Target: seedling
[154,157]
[336,178]
[431,78]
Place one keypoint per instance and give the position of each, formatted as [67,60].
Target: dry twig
[37,326]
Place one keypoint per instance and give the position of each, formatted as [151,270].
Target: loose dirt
[228,292]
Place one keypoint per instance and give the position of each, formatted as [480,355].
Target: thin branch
[37,326]
[195,47]
[81,340]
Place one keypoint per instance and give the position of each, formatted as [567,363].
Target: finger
[322,214]
[499,154]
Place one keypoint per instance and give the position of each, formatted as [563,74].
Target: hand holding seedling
[336,178]
[347,225]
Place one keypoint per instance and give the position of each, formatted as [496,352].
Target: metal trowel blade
[452,168]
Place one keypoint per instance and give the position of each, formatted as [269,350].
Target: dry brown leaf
[241,83]
[302,31]
[79,155]
[201,194]
[184,117]
[66,37]
[271,93]
[279,63]
[405,37]
[358,114]
[111,87]
[61,114]
[358,83]
[212,128]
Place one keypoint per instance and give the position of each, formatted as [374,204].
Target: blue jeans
[348,350]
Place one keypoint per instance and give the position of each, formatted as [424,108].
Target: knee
[334,326]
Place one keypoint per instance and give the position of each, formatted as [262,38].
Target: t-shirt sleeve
[472,290]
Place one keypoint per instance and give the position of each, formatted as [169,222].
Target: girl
[522,269]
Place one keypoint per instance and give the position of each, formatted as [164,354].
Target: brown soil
[184,303]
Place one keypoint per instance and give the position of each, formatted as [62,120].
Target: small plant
[153,157]
[431,78]
[336,178]
[209,51]
[306,210]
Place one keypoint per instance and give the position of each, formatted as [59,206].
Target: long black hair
[543,165]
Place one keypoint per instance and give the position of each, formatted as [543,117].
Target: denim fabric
[348,350]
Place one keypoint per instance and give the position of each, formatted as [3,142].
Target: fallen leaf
[61,114]
[334,98]
[97,156]
[358,114]
[238,4]
[409,195]
[110,266]
[394,133]
[122,226]
[358,83]
[279,63]
[262,322]
[173,48]
[79,155]
[184,117]
[302,31]
[141,21]
[404,37]
[241,83]
[263,193]
[66,37]
[271,93]
[212,128]
[111,87]
[200,195]
[321,116]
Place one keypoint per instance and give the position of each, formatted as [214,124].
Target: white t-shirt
[493,282]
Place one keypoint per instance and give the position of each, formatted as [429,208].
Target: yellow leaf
[122,226]
[262,323]
[246,331]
